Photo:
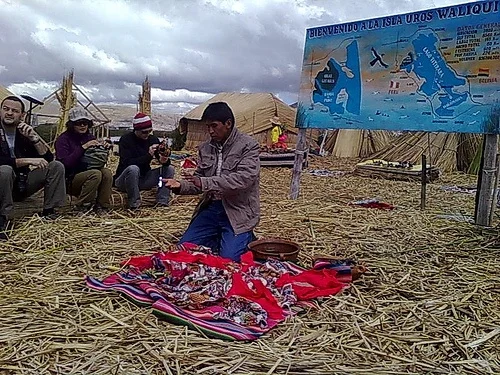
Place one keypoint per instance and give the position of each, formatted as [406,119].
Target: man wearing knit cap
[134,173]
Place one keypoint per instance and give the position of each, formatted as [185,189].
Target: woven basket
[276,248]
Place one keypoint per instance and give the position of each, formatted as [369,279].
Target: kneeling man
[228,176]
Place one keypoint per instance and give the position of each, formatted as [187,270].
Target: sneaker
[3,228]
[50,214]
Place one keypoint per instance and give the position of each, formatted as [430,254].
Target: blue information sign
[434,70]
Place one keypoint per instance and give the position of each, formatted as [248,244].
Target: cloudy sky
[190,49]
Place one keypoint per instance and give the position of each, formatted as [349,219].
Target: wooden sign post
[297,166]
[423,187]
[486,181]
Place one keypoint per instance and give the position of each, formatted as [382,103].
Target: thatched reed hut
[355,143]
[252,111]
[4,93]
[447,151]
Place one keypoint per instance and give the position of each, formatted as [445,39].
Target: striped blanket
[221,298]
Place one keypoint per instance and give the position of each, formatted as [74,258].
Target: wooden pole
[495,188]
[423,189]
[322,147]
[297,166]
[488,172]
[479,178]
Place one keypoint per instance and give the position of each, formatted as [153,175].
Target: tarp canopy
[252,111]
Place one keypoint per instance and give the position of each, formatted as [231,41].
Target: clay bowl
[276,248]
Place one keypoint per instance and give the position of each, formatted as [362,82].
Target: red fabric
[282,138]
[379,205]
[188,163]
[280,145]
[184,254]
[187,257]
[260,294]
[141,262]
[312,283]
[247,261]
[307,285]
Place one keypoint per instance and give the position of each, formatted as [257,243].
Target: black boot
[50,214]
[3,228]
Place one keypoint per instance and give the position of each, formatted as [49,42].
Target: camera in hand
[107,144]
[162,150]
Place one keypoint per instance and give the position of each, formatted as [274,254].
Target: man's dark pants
[211,228]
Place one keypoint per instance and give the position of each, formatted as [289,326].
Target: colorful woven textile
[373,203]
[221,298]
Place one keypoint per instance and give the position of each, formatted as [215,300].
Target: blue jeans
[211,228]
[131,182]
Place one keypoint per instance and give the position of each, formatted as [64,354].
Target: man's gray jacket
[238,183]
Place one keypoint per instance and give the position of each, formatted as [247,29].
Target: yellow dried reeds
[354,143]
[448,151]
[428,304]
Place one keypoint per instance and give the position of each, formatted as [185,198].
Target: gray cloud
[186,47]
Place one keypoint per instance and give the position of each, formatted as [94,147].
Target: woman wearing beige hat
[86,175]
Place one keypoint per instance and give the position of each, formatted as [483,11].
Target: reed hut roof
[356,143]
[448,151]
[4,93]
[252,111]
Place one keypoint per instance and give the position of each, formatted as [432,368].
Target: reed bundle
[448,151]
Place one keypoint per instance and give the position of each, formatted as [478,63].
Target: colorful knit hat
[142,121]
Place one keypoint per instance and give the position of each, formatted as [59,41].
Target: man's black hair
[14,99]
[218,111]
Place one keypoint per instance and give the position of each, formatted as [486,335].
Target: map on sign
[435,70]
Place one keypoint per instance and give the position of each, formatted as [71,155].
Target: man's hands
[91,143]
[28,132]
[39,163]
[35,163]
[171,183]
[152,150]
[174,184]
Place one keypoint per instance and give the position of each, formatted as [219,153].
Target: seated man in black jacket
[134,173]
[26,164]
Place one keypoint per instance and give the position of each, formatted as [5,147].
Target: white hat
[77,114]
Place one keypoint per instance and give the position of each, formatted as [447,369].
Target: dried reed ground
[430,303]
